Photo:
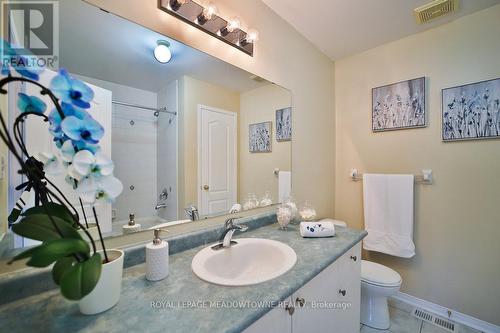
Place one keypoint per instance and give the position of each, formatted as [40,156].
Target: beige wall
[282,56]
[457,219]
[193,92]
[256,169]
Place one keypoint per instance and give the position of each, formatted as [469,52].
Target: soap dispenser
[131,226]
[157,258]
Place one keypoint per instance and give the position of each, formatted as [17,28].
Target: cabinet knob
[290,309]
[342,292]
[354,258]
[300,301]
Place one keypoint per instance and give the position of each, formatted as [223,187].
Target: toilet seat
[379,275]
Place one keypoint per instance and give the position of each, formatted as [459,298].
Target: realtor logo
[32,30]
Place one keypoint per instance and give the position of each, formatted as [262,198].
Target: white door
[38,139]
[216,160]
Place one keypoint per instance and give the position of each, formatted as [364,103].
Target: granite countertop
[182,302]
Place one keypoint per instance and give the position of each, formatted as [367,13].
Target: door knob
[354,258]
[300,301]
[342,292]
[206,187]
[290,309]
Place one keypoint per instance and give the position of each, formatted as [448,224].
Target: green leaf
[52,251]
[78,281]
[23,255]
[53,209]
[40,227]
[61,267]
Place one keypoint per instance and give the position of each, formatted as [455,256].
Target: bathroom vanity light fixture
[205,17]
[162,52]
[208,12]
[176,4]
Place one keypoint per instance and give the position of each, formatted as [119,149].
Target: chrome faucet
[160,205]
[192,212]
[229,229]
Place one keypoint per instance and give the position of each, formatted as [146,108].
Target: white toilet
[378,282]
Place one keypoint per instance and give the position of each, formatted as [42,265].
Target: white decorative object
[266,200]
[106,293]
[157,258]
[290,202]
[317,229]
[307,213]
[236,208]
[251,202]
[284,216]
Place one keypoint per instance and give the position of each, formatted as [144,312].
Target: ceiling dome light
[162,52]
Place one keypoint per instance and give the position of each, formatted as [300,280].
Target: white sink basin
[251,261]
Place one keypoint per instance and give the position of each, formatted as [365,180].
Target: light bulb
[162,52]
[233,24]
[210,10]
[252,36]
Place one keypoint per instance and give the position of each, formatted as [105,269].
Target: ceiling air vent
[435,9]
[257,78]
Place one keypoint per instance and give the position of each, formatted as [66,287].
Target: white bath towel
[388,206]
[317,229]
[284,185]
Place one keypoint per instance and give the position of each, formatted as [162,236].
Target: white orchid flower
[67,151]
[51,164]
[85,163]
[96,187]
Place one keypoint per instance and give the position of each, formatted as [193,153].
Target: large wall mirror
[191,138]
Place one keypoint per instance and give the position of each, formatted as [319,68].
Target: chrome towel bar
[424,179]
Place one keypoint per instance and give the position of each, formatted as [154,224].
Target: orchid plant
[53,220]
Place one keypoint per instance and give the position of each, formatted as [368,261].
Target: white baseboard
[442,311]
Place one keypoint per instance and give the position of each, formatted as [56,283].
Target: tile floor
[403,322]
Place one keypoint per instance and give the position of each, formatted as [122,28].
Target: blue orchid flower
[20,64]
[70,90]
[31,104]
[86,130]
[56,120]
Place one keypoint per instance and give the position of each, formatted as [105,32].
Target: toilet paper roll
[156,261]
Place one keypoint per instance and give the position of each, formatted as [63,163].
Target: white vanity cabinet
[330,302]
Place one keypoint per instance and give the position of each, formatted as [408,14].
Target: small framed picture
[284,124]
[399,106]
[471,111]
[260,137]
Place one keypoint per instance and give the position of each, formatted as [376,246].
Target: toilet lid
[380,275]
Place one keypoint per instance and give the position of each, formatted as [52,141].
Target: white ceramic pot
[106,293]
